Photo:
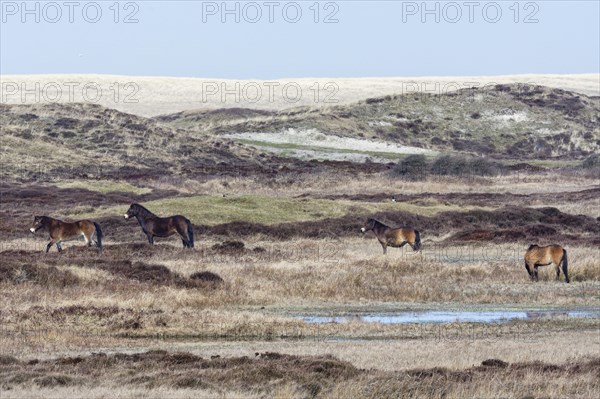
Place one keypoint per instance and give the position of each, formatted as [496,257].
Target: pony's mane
[532,246]
[143,211]
[378,222]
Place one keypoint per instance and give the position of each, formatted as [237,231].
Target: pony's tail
[99,236]
[417,245]
[190,234]
[565,265]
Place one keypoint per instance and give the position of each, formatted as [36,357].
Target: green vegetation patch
[214,210]
[281,147]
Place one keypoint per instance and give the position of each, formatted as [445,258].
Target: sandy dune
[151,96]
[312,144]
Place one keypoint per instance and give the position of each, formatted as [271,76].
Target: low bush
[416,167]
[413,167]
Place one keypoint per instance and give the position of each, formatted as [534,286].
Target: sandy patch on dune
[312,144]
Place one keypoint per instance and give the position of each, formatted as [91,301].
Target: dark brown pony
[65,231]
[544,256]
[393,237]
[154,226]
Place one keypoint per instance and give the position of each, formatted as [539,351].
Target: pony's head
[369,225]
[38,223]
[134,210]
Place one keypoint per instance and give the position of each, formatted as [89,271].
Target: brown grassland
[278,244]
[223,319]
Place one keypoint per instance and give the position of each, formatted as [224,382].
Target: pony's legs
[535,272]
[186,243]
[528,271]
[149,236]
[51,243]
[383,245]
[565,271]
[185,239]
[558,272]
[91,239]
[88,240]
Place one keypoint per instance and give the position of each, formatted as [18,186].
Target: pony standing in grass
[544,256]
[154,226]
[393,237]
[65,231]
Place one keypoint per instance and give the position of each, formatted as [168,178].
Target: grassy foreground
[223,319]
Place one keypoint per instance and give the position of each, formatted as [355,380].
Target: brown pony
[544,256]
[393,237]
[65,231]
[154,226]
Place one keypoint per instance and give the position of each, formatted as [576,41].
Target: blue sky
[369,39]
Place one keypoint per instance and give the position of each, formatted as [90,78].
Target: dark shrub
[229,246]
[207,277]
[5,360]
[591,162]
[374,100]
[25,134]
[68,134]
[28,117]
[448,165]
[438,141]
[441,164]
[54,380]
[66,123]
[494,363]
[46,276]
[483,167]
[413,167]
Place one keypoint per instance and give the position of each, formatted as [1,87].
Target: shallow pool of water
[433,316]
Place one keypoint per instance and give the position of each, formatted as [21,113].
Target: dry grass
[109,391]
[104,186]
[520,183]
[451,346]
[279,375]
[135,297]
[151,294]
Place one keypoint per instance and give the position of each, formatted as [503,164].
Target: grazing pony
[544,256]
[65,231]
[393,237]
[154,226]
